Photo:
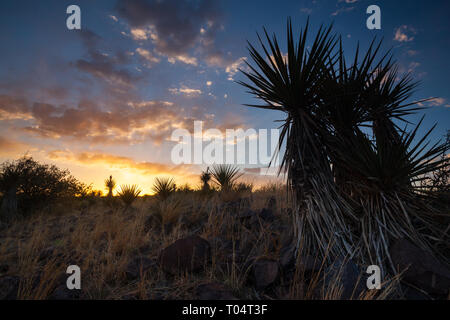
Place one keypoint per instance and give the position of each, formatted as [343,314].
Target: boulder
[347,275]
[420,268]
[267,215]
[187,254]
[4,268]
[214,291]
[264,273]
[63,293]
[306,264]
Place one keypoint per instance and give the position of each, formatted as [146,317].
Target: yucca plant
[225,176]
[110,184]
[205,177]
[164,187]
[128,193]
[292,83]
[349,191]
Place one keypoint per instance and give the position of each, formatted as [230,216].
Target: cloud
[133,122]
[342,10]
[233,68]
[148,56]
[412,53]
[306,10]
[12,108]
[434,102]
[401,34]
[437,102]
[183,58]
[104,66]
[10,147]
[173,26]
[119,162]
[189,92]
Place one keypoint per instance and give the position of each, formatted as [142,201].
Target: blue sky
[105,99]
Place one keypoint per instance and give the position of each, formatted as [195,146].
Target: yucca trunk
[321,214]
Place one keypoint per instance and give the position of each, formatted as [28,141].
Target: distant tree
[28,185]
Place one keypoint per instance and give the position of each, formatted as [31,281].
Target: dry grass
[103,241]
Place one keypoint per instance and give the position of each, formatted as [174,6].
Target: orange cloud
[12,148]
[128,170]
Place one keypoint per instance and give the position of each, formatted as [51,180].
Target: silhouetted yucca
[225,175]
[205,177]
[128,193]
[164,187]
[110,184]
[354,192]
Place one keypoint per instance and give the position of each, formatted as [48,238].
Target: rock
[63,293]
[138,267]
[422,269]
[9,287]
[410,293]
[4,268]
[188,254]
[267,215]
[214,291]
[288,259]
[348,275]
[264,273]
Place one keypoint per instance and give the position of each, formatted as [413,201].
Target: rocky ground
[191,247]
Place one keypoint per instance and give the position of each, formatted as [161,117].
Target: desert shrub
[28,185]
[243,187]
[185,188]
[128,193]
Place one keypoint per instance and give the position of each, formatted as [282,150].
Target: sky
[106,99]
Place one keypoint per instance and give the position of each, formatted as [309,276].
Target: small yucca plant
[225,176]
[128,193]
[164,187]
[110,184]
[205,177]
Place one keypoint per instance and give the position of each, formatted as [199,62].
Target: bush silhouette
[28,186]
